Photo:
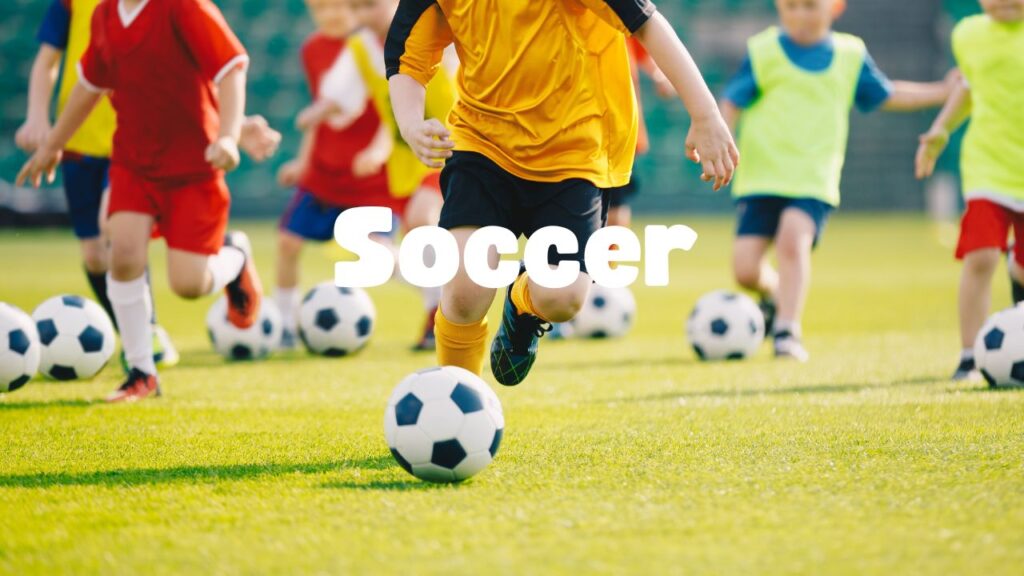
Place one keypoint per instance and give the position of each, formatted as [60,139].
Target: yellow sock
[521,297]
[462,345]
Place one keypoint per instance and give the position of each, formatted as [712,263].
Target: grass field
[619,456]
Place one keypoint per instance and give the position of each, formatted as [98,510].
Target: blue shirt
[873,86]
[56,25]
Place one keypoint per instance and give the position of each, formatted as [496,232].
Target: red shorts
[986,224]
[192,217]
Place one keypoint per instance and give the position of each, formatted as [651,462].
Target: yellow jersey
[67,27]
[532,96]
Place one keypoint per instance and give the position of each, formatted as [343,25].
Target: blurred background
[908,38]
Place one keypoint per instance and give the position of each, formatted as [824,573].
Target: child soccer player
[989,49]
[178,130]
[340,164]
[794,93]
[360,69]
[530,145]
[64,35]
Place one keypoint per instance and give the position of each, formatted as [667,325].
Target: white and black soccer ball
[19,348]
[607,313]
[336,321]
[443,424]
[999,349]
[77,337]
[253,343]
[725,326]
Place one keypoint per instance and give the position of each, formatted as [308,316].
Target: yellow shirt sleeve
[416,42]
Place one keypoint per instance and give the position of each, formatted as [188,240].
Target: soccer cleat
[514,348]
[137,386]
[966,371]
[427,343]
[288,340]
[245,292]
[788,346]
[767,306]
[164,353]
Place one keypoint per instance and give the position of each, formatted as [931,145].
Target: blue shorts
[760,215]
[85,180]
[311,219]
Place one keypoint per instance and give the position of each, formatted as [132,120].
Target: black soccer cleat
[514,348]
[768,308]
[788,346]
[966,371]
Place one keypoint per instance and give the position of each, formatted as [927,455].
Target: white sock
[967,354]
[133,308]
[225,266]
[287,300]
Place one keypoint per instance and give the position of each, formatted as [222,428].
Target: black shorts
[623,195]
[478,193]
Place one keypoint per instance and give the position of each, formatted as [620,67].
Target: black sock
[1018,291]
[149,286]
[99,289]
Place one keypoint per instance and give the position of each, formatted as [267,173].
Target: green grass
[624,456]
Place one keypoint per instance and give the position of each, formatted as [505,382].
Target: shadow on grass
[785,391]
[65,403]
[185,474]
[389,485]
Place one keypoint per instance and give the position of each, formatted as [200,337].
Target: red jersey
[161,63]
[329,176]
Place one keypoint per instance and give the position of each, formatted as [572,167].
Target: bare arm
[223,154]
[912,96]
[33,132]
[731,114]
[429,139]
[932,143]
[709,142]
[44,162]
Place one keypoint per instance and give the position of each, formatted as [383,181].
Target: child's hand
[710,144]
[32,134]
[222,154]
[42,163]
[258,139]
[431,142]
[290,173]
[953,78]
[315,114]
[367,163]
[932,143]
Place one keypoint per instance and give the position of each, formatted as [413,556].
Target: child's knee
[463,306]
[187,286]
[561,305]
[127,261]
[747,272]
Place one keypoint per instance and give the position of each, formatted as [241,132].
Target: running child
[989,50]
[793,97]
[530,143]
[178,130]
[340,163]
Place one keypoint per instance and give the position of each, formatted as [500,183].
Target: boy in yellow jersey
[64,35]
[530,144]
[794,94]
[989,49]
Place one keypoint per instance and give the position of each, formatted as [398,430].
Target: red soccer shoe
[244,293]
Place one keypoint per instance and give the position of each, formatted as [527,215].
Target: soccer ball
[77,337]
[999,348]
[443,424]
[252,343]
[19,348]
[607,313]
[335,321]
[725,326]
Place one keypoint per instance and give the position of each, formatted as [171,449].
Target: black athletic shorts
[478,193]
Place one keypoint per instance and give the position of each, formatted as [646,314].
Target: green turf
[619,456]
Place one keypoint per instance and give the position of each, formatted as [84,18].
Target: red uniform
[161,63]
[329,176]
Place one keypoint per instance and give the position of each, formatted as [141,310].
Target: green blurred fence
[908,38]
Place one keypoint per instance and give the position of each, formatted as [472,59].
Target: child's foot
[164,353]
[427,342]
[288,340]
[966,371]
[788,346]
[245,292]
[514,348]
[767,306]
[137,386]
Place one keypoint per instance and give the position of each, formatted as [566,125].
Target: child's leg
[286,296]
[461,320]
[193,275]
[976,292]
[751,267]
[128,289]
[424,209]
[793,246]
[551,304]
